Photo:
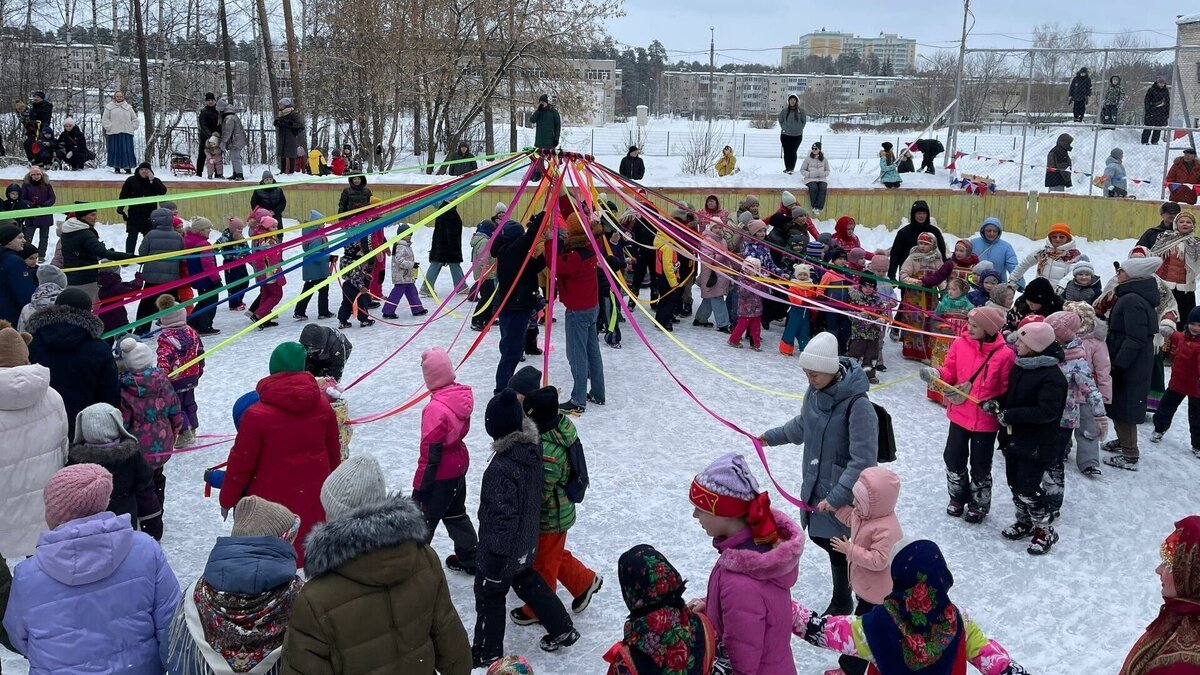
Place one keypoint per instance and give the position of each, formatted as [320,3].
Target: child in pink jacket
[874,531]
[440,484]
[749,597]
[978,363]
[1092,332]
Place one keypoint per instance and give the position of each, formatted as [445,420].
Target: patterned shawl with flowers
[916,629]
[1173,638]
[245,628]
[660,625]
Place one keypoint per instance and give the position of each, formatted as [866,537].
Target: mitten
[991,406]
[929,374]
[1166,329]
[214,477]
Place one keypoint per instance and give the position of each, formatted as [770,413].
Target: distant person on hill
[791,131]
[930,148]
[1058,164]
[632,166]
[727,162]
[463,167]
[1115,184]
[1156,109]
[888,175]
[1114,96]
[1079,93]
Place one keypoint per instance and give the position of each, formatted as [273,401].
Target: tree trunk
[264,28]
[223,18]
[512,111]
[144,69]
[489,132]
[293,56]
[416,115]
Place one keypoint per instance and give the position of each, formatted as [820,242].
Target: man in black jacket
[1168,211]
[510,249]
[1079,93]
[209,120]
[463,152]
[632,166]
[930,148]
[81,247]
[1156,110]
[919,220]
[41,111]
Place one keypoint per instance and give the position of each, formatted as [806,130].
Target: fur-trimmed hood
[367,529]
[63,314]
[780,564]
[527,434]
[87,453]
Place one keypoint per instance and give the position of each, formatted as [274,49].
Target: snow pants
[968,457]
[555,563]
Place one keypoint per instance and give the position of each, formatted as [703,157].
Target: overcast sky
[766,25]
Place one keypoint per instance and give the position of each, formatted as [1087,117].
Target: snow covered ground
[853,157]
[1077,610]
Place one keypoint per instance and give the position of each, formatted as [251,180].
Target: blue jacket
[95,597]
[1000,253]
[316,252]
[17,283]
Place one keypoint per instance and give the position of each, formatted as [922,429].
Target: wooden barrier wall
[1030,214]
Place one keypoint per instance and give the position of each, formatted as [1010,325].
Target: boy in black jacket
[510,499]
[1030,412]
[510,249]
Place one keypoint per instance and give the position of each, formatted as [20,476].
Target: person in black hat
[209,120]
[632,166]
[40,111]
[17,281]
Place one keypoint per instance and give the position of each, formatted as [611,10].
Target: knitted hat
[798,212]
[49,274]
[137,356]
[287,357]
[176,318]
[821,354]
[802,272]
[14,346]
[1185,215]
[927,237]
[170,206]
[787,199]
[879,264]
[1032,318]
[357,482]
[726,488]
[1194,315]
[241,405]
[1000,295]
[8,231]
[285,102]
[982,266]
[868,281]
[990,319]
[965,244]
[436,368]
[503,415]
[825,238]
[1065,324]
[74,297]
[834,253]
[499,209]
[857,256]
[1083,266]
[1037,336]
[886,145]
[76,491]
[989,274]
[235,223]
[266,224]
[744,218]
[201,225]
[814,249]
[756,228]
[1141,268]
[525,380]
[257,517]
[1059,228]
[1040,290]
[100,423]
[510,665]
[541,406]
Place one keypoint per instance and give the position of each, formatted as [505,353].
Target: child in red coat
[1184,347]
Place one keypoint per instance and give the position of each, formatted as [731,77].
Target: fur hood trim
[364,530]
[774,563]
[65,314]
[527,434]
[86,453]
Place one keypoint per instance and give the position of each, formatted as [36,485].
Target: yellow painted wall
[1029,214]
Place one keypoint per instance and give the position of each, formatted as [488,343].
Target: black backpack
[577,481]
[887,436]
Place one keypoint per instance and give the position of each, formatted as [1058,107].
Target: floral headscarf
[1173,638]
[660,625]
[917,628]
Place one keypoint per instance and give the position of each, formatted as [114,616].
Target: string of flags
[1004,160]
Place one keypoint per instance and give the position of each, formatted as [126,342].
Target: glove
[929,374]
[214,477]
[991,407]
[1000,418]
[1166,329]
[712,280]
[1101,427]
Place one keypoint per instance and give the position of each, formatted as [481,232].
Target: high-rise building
[901,52]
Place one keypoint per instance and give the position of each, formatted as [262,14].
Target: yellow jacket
[316,160]
[726,165]
[666,261]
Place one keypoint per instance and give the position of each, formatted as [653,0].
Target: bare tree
[823,98]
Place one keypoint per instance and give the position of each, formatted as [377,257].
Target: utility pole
[956,117]
[712,66]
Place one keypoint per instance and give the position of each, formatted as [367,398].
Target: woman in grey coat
[791,131]
[840,433]
[162,238]
[233,139]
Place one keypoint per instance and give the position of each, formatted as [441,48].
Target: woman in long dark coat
[446,249]
[1132,326]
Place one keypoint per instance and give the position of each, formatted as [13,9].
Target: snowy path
[1077,610]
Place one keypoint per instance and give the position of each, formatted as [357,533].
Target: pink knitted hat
[76,491]
[1065,324]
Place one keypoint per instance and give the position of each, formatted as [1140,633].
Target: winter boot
[520,618]
[453,563]
[1018,530]
[557,642]
[1044,537]
[1112,446]
[842,602]
[1127,462]
[975,514]
[1156,437]
[954,509]
[531,346]
[581,601]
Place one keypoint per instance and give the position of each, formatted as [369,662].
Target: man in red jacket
[579,288]
[287,443]
[1183,176]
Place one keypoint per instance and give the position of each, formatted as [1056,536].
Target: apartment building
[902,52]
[746,95]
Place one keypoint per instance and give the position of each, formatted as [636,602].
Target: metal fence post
[593,152]
[858,153]
[743,145]
[668,144]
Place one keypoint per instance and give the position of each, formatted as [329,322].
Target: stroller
[181,165]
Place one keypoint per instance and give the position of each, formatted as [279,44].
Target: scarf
[660,625]
[245,629]
[917,628]
[1173,638]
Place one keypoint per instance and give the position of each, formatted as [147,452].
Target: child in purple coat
[749,591]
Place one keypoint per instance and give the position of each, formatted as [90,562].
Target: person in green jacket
[547,124]
[553,561]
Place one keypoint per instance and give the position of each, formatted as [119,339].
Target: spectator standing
[40,111]
[137,216]
[1079,93]
[1132,326]
[269,197]
[888,173]
[727,162]
[632,166]
[289,135]
[209,122]
[1115,184]
[17,280]
[81,247]
[1183,176]
[791,131]
[37,190]
[445,250]
[72,146]
[1156,110]
[815,171]
[119,122]
[463,153]
[547,128]
[233,140]
[1114,96]
[578,287]
[1058,164]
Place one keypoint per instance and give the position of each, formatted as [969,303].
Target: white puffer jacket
[33,424]
[1052,262]
[119,118]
